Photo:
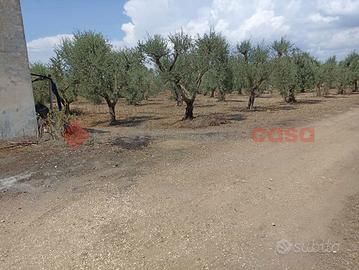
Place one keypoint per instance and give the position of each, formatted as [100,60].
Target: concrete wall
[17,109]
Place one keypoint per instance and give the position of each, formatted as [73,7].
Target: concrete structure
[17,109]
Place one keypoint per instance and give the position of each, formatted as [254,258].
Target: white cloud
[42,49]
[238,19]
[318,18]
[322,27]
[47,42]
[339,7]
[312,25]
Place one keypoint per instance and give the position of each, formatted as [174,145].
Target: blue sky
[320,27]
[52,17]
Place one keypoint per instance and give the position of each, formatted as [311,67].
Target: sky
[320,27]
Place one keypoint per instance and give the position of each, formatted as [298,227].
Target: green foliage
[183,62]
[87,65]
[238,80]
[330,72]
[63,75]
[255,68]
[319,78]
[352,63]
[219,76]
[169,60]
[343,77]
[210,82]
[41,88]
[305,70]
[331,75]
[98,72]
[142,83]
[244,49]
[285,78]
[282,47]
[91,59]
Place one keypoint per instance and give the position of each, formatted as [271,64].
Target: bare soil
[154,192]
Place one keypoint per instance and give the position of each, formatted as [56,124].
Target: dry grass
[162,113]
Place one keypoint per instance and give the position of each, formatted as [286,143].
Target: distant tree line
[89,66]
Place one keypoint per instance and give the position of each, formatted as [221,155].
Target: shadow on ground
[132,143]
[310,101]
[130,121]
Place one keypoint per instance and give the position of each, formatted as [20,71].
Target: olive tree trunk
[112,110]
[252,97]
[221,96]
[179,100]
[318,89]
[189,109]
[291,97]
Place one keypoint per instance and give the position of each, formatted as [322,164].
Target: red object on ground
[75,135]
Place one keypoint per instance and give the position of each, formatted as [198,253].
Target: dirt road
[207,204]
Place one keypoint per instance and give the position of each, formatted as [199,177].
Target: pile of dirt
[203,121]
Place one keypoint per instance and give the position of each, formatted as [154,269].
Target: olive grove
[87,65]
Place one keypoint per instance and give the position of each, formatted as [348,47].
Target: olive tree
[285,78]
[282,47]
[183,61]
[142,83]
[210,83]
[93,63]
[305,70]
[254,66]
[218,79]
[244,49]
[352,62]
[63,75]
[40,87]
[219,76]
[318,78]
[238,80]
[285,75]
[102,72]
[330,68]
[343,77]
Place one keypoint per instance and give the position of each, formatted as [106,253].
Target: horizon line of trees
[89,66]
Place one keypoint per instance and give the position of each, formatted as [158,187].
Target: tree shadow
[96,131]
[265,97]
[134,121]
[272,108]
[236,117]
[149,103]
[336,96]
[309,101]
[77,112]
[286,123]
[205,106]
[234,101]
[132,143]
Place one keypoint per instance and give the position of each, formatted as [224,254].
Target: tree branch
[174,61]
[184,92]
[158,63]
